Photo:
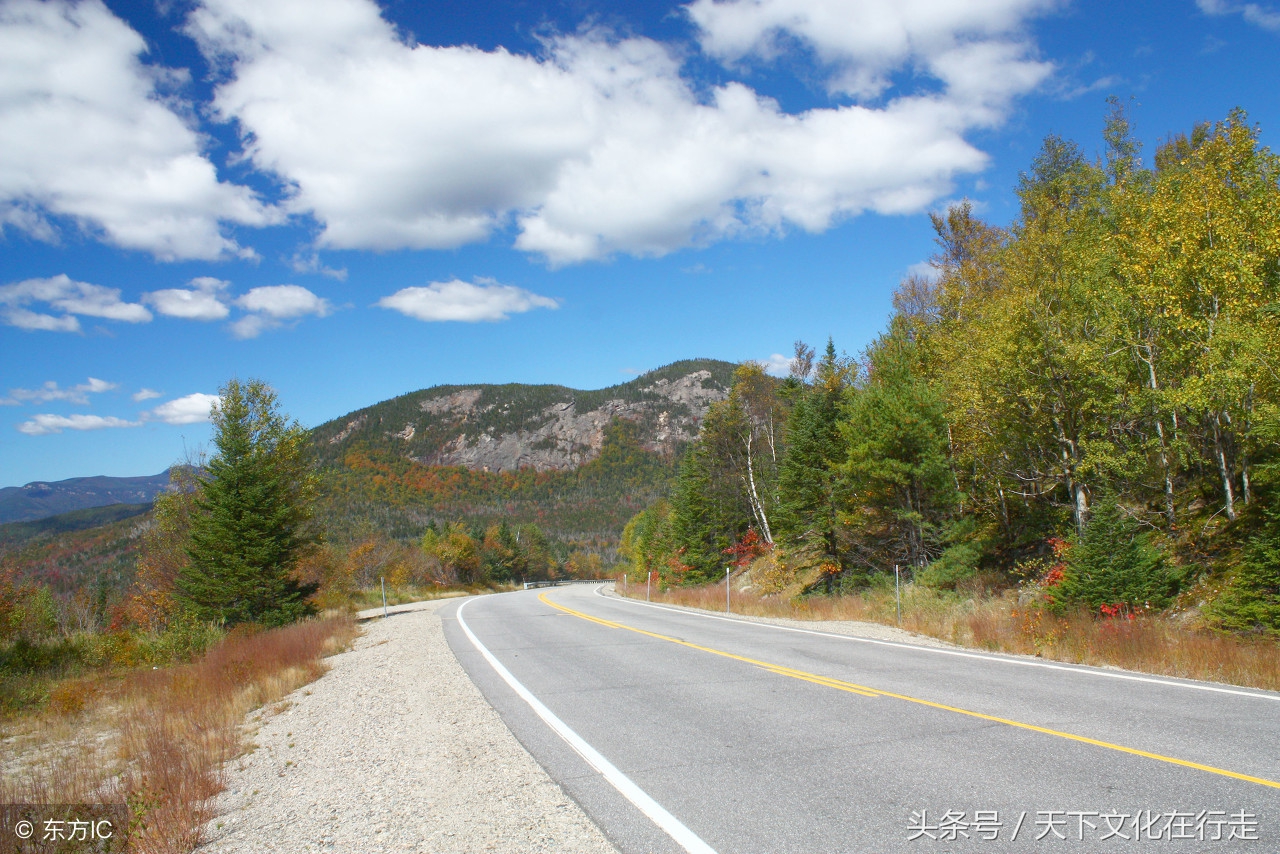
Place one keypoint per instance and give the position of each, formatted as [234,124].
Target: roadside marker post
[897,590]
[726,589]
[648,581]
[384,597]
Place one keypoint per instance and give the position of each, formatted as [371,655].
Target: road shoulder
[394,749]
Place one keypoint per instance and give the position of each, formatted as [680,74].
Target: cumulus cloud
[202,301]
[971,47]
[192,409]
[50,391]
[924,270]
[458,300]
[67,296]
[599,146]
[34,321]
[1262,16]
[310,263]
[145,394]
[778,365]
[283,301]
[42,425]
[90,133]
[272,305]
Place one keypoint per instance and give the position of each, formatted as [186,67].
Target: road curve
[752,738]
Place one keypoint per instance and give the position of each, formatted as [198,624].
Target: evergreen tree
[253,517]
[1252,602]
[1114,564]
[807,516]
[710,504]
[897,469]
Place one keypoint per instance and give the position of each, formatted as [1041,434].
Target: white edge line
[1087,671]
[673,827]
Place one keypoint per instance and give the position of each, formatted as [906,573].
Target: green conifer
[806,477]
[1114,564]
[252,520]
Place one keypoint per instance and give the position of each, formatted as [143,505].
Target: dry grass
[156,740]
[1148,644]
[371,597]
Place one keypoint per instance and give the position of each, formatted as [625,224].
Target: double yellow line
[864,691]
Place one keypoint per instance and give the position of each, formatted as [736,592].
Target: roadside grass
[155,740]
[371,597]
[1153,644]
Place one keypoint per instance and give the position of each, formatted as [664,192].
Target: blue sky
[354,200]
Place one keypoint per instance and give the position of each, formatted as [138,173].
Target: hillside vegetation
[576,463]
[1081,409]
[42,499]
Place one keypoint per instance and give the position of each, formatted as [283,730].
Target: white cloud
[303,263]
[34,321]
[924,270]
[145,394]
[88,132]
[252,325]
[192,409]
[1262,16]
[202,301]
[50,391]
[283,301]
[778,365]
[42,425]
[458,300]
[271,305]
[865,41]
[67,296]
[600,146]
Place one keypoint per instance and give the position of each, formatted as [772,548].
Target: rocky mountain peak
[546,428]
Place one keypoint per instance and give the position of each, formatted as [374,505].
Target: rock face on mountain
[546,428]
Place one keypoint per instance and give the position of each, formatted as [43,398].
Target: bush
[1114,564]
[958,563]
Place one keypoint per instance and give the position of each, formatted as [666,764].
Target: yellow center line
[863,690]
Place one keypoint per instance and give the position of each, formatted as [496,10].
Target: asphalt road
[678,731]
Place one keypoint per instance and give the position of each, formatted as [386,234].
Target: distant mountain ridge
[41,499]
[498,432]
[512,427]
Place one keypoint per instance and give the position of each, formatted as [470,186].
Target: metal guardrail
[530,584]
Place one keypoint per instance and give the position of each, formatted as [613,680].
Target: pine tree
[1252,602]
[897,466]
[253,518]
[807,499]
[1113,564]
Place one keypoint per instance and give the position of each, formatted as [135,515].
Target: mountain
[92,551]
[17,533]
[540,427]
[42,499]
[577,463]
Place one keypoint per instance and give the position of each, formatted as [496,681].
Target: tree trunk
[1075,489]
[756,507]
[1220,452]
[1165,466]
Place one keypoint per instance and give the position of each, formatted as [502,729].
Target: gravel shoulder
[394,749]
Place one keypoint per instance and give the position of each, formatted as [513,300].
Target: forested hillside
[576,463]
[452,484]
[1085,400]
[42,499]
